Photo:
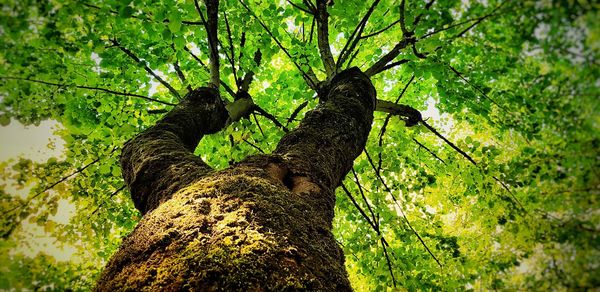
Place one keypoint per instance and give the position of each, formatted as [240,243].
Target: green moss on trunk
[264,224]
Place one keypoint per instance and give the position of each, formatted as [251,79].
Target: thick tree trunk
[263,224]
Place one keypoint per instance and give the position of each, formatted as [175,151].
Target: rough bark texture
[263,224]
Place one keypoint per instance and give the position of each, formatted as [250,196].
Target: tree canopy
[480,172]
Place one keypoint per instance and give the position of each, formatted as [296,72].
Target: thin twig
[389,262]
[90,88]
[300,7]
[296,112]
[63,179]
[428,150]
[223,83]
[253,145]
[269,116]
[355,37]
[232,51]
[146,68]
[107,198]
[400,208]
[311,83]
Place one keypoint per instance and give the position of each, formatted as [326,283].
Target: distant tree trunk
[262,224]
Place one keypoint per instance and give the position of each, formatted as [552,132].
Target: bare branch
[387,189]
[403,18]
[310,80]
[391,55]
[418,18]
[362,194]
[389,262]
[300,7]
[211,25]
[393,64]
[223,83]
[181,75]
[465,155]
[360,209]
[138,61]
[63,179]
[115,12]
[231,51]
[296,112]
[355,37]
[387,118]
[428,150]
[476,20]
[108,198]
[269,116]
[322,17]
[381,30]
[460,75]
[245,84]
[411,116]
[90,88]
[253,145]
[434,131]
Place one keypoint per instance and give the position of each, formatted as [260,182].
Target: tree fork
[262,224]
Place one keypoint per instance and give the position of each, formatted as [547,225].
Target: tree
[455,141]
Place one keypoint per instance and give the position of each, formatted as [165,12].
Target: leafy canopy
[504,196]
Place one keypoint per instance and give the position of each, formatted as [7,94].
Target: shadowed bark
[262,224]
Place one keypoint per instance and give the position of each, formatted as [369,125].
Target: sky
[33,142]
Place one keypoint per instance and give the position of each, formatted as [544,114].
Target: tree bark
[262,224]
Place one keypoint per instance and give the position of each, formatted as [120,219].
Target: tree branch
[140,62]
[381,30]
[248,77]
[211,25]
[300,7]
[411,115]
[418,18]
[223,83]
[322,17]
[310,80]
[181,75]
[63,179]
[231,51]
[296,112]
[269,116]
[379,66]
[355,37]
[460,75]
[428,150]
[387,189]
[90,88]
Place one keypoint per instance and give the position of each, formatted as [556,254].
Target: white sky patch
[64,212]
[31,142]
[443,122]
[37,143]
[38,241]
[96,58]
[153,87]
[194,49]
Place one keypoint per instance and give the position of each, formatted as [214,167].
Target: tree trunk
[262,224]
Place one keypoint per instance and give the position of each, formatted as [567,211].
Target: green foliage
[518,92]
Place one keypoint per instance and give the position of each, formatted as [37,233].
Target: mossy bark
[263,224]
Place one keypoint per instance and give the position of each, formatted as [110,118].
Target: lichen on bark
[263,224]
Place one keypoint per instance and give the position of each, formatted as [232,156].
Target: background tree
[497,187]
